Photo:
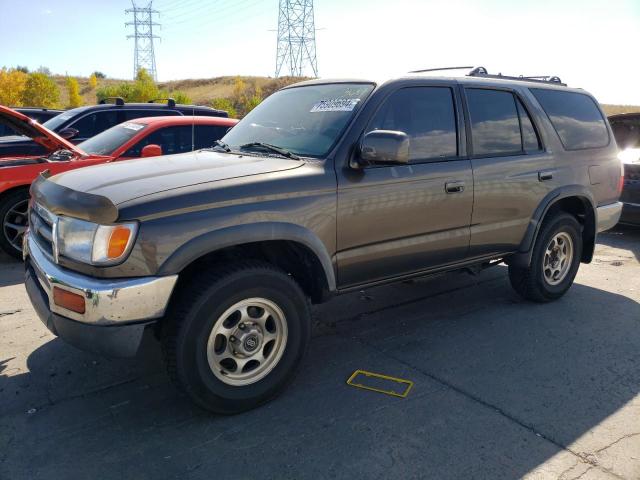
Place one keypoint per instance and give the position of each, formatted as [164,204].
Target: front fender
[248,233]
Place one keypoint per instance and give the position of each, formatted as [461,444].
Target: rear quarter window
[576,117]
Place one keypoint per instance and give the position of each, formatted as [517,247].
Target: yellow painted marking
[407,383]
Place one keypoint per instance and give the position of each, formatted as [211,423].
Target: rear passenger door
[401,219]
[512,171]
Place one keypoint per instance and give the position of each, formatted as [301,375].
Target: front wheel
[236,335]
[554,261]
[13,215]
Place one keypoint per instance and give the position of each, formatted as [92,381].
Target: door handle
[454,187]
[544,176]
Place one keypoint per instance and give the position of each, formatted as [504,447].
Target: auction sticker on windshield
[335,105]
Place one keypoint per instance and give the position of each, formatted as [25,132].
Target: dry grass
[613,109]
[200,91]
[203,90]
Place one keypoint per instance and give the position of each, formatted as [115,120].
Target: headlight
[629,155]
[95,244]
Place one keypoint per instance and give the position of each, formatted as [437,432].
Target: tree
[99,74]
[224,104]
[75,100]
[93,81]
[12,86]
[180,97]
[40,91]
[253,101]
[22,69]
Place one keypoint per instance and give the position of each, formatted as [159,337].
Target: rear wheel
[13,215]
[235,336]
[554,262]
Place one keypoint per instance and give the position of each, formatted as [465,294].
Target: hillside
[202,91]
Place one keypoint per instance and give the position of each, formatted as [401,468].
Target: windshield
[55,122]
[304,120]
[110,140]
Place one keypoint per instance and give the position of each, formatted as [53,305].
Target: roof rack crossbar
[117,100]
[170,101]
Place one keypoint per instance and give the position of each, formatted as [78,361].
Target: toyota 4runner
[324,188]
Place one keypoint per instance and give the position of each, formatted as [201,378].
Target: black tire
[196,308]
[531,283]
[7,204]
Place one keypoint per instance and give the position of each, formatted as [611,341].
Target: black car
[82,123]
[626,129]
[41,115]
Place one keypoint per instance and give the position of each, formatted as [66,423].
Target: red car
[142,137]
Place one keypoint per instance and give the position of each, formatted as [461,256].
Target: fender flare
[523,257]
[249,233]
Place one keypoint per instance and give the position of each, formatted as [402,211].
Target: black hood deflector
[61,200]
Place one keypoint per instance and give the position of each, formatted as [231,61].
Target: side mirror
[151,150]
[68,133]
[385,146]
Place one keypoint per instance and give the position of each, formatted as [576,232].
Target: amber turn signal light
[118,242]
[70,301]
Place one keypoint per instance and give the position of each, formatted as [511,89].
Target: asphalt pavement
[503,388]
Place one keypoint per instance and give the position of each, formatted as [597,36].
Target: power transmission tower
[296,38]
[144,55]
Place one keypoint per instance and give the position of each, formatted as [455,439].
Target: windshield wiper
[266,146]
[222,145]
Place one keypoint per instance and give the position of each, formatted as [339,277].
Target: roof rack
[438,69]
[482,72]
[170,101]
[116,100]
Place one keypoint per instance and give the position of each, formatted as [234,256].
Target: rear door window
[173,140]
[495,126]
[575,117]
[206,135]
[530,138]
[427,116]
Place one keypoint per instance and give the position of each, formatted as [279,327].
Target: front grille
[41,223]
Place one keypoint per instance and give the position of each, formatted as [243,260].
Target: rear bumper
[630,213]
[608,216]
[116,311]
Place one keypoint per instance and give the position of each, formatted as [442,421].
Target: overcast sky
[591,44]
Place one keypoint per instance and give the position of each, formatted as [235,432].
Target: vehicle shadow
[622,236]
[490,372]
[11,270]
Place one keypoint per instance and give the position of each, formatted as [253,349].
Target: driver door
[395,220]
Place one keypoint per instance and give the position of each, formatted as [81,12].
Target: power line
[296,38]
[143,54]
[225,13]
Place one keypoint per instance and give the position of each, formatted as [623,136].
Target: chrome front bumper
[108,302]
[608,216]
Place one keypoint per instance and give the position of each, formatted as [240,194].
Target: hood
[127,180]
[32,129]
